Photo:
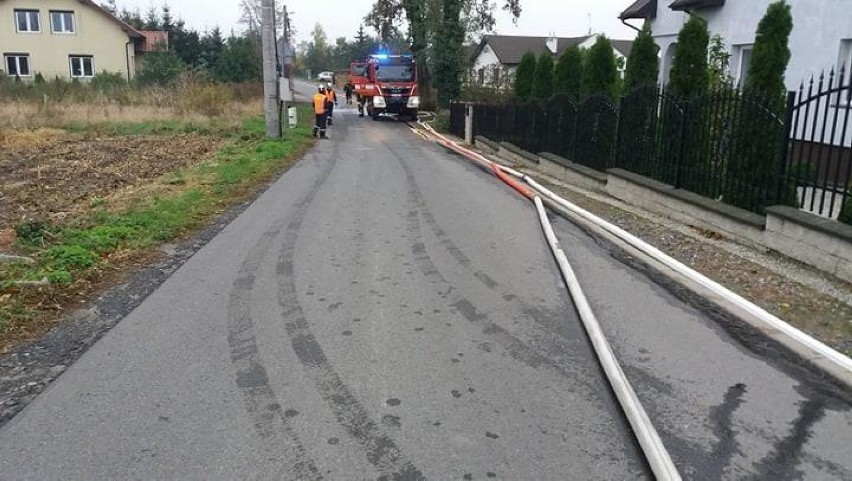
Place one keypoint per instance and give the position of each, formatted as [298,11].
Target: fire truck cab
[386,84]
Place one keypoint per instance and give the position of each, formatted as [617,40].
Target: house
[496,57]
[71,39]
[821,37]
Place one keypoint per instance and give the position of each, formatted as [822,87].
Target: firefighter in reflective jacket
[331,95]
[320,102]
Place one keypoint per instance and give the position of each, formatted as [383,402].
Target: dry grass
[23,115]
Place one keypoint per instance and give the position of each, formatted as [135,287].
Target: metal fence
[457,113]
[738,147]
[819,150]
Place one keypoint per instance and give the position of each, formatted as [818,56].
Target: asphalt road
[386,311]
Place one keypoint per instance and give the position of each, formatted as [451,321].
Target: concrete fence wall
[821,243]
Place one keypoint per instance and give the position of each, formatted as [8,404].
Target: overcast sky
[341,17]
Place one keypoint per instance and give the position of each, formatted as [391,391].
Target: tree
[771,53]
[186,43]
[569,73]
[525,75]
[110,6]
[449,53]
[152,19]
[689,76]
[758,139]
[718,63]
[239,61]
[421,16]
[643,64]
[212,46]
[542,87]
[600,73]
[318,54]
[383,18]
[252,11]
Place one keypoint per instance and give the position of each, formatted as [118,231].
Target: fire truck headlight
[413,102]
[379,102]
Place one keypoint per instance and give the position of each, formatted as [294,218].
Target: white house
[821,37]
[495,59]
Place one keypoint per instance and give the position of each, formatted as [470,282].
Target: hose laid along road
[386,310]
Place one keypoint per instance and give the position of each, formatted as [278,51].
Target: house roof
[130,31]
[687,4]
[509,48]
[640,9]
[623,46]
[154,39]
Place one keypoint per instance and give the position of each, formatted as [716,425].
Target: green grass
[82,247]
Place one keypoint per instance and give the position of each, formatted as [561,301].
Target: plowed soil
[47,174]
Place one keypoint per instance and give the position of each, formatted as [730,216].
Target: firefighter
[320,102]
[348,88]
[331,95]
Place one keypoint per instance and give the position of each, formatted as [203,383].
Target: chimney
[552,43]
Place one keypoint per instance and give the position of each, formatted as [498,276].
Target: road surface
[388,311]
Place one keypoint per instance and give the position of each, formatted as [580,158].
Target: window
[27,21]
[17,64]
[62,22]
[668,61]
[745,63]
[82,66]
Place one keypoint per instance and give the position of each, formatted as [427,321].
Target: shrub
[209,100]
[107,82]
[159,68]
[32,233]
[846,211]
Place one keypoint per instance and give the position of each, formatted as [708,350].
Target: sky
[565,18]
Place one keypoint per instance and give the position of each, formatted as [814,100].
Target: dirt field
[51,173]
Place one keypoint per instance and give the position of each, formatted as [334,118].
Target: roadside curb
[807,348]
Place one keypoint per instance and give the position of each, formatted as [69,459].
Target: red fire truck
[386,84]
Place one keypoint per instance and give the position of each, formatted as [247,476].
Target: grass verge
[74,259]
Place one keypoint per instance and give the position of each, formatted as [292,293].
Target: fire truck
[386,84]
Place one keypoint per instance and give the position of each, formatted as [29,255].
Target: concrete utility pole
[270,76]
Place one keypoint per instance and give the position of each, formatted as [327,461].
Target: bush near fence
[727,144]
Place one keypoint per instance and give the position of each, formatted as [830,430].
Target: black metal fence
[819,150]
[738,147]
[457,113]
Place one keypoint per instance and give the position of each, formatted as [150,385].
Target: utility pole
[270,76]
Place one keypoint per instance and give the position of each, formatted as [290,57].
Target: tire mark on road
[261,402]
[381,451]
[515,347]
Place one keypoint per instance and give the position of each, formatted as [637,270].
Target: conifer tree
[689,75]
[542,87]
[643,64]
[600,73]
[771,52]
[524,75]
[569,73]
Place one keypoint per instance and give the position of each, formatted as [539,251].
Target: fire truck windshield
[395,73]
